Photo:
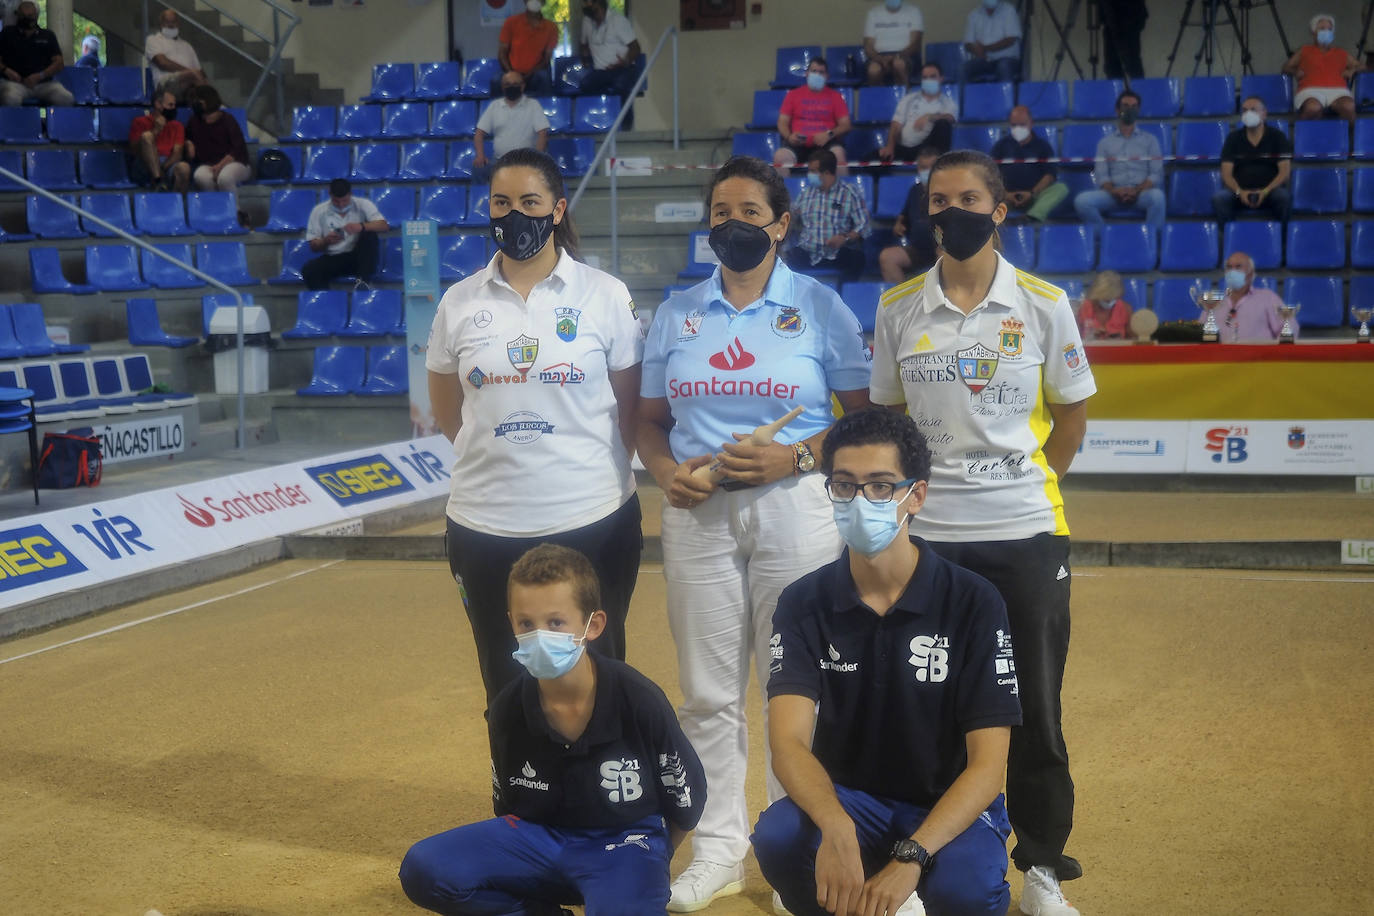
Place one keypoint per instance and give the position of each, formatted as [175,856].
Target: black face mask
[1129,115]
[511,92]
[961,233]
[589,12]
[169,113]
[26,23]
[520,236]
[740,246]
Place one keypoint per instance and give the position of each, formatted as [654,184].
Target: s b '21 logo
[1227,444]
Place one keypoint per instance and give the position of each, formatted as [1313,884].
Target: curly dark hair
[879,426]
[549,564]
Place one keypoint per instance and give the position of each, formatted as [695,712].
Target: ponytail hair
[565,233]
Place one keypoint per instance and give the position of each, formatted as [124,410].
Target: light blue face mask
[816,81]
[894,5]
[930,87]
[548,654]
[1325,36]
[813,179]
[869,527]
[1235,279]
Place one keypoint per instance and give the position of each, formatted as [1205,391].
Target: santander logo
[732,358]
[196,515]
[242,505]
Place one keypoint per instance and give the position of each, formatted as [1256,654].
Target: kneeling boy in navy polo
[593,783]
[901,663]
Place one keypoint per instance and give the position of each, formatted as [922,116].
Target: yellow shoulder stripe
[914,285]
[1034,284]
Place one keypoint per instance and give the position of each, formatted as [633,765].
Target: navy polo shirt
[1022,176]
[28,54]
[632,761]
[896,693]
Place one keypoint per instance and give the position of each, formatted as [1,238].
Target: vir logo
[621,779]
[930,658]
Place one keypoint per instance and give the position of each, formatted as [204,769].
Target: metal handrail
[90,217]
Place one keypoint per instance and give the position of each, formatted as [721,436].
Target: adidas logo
[1063,574]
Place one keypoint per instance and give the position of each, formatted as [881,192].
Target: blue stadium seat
[454,118]
[873,105]
[110,384]
[1316,244]
[396,204]
[41,378]
[113,209]
[845,65]
[1319,190]
[1018,245]
[478,214]
[293,158]
[1190,191]
[1201,141]
[138,376]
[294,253]
[422,161]
[289,210]
[1262,241]
[338,371]
[48,220]
[1321,299]
[1161,132]
[359,122]
[795,184]
[1072,287]
[375,313]
[45,269]
[1078,179]
[446,204]
[862,143]
[974,137]
[568,73]
[388,371]
[1364,140]
[80,82]
[375,162]
[1080,142]
[322,164]
[478,76]
[1189,246]
[1364,91]
[405,119]
[213,213]
[1361,293]
[391,83]
[864,185]
[319,313]
[767,106]
[1362,191]
[10,347]
[862,299]
[145,327]
[54,169]
[1160,96]
[115,124]
[558,109]
[573,155]
[1209,96]
[987,102]
[760,146]
[390,262]
[462,256]
[160,213]
[72,125]
[1275,89]
[1133,291]
[104,169]
[1066,249]
[892,191]
[1321,140]
[1362,245]
[121,86]
[313,122]
[1047,100]
[226,262]
[1174,300]
[948,56]
[594,114]
[1095,100]
[698,267]
[166,275]
[31,330]
[791,65]
[460,156]
[437,81]
[1128,248]
[113,268]
[13,160]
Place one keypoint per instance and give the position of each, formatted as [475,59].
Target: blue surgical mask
[930,87]
[894,5]
[991,4]
[1325,36]
[869,527]
[1251,118]
[1235,279]
[816,81]
[813,179]
[548,654]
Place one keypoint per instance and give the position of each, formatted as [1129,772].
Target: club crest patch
[691,326]
[789,322]
[1297,437]
[522,351]
[976,366]
[1071,357]
[566,326]
[1009,340]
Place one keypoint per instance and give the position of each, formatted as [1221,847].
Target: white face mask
[534,6]
[923,175]
[170,32]
[1251,118]
[1020,133]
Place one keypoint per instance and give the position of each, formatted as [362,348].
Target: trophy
[1362,315]
[1208,300]
[1286,312]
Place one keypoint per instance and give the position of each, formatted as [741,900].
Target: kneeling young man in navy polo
[593,783]
[901,664]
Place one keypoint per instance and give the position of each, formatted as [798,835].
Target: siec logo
[242,505]
[360,479]
[31,554]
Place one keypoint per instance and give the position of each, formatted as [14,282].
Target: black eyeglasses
[875,491]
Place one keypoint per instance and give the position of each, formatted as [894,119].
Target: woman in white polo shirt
[534,374]
[732,353]
[988,360]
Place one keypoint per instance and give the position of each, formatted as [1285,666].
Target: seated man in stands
[90,53]
[831,221]
[29,59]
[175,63]
[992,41]
[610,47]
[812,117]
[1129,171]
[914,252]
[526,45]
[1031,180]
[923,118]
[514,121]
[1323,72]
[1256,161]
[1249,314]
[344,230]
[892,42]
[157,147]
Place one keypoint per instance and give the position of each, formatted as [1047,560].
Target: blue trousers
[506,866]
[1091,205]
[969,877]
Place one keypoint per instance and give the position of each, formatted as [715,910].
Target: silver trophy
[1286,312]
[1208,300]
[1363,315]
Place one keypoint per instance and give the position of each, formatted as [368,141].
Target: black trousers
[1039,789]
[361,262]
[481,565]
[849,261]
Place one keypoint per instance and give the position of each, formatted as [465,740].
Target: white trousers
[726,562]
[230,177]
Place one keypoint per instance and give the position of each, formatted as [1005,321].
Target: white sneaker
[1040,896]
[912,907]
[703,881]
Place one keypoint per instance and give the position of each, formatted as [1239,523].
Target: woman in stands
[534,374]
[734,352]
[219,157]
[1104,315]
[988,360]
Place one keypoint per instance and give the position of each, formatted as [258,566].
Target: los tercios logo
[732,358]
[241,505]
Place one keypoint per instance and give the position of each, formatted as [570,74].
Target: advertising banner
[420,241]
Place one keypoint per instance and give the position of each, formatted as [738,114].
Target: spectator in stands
[992,41]
[175,63]
[90,53]
[892,42]
[1250,313]
[1323,72]
[914,252]
[830,221]
[514,121]
[1103,314]
[157,147]
[610,47]
[1122,22]
[214,143]
[1256,161]
[812,117]
[344,229]
[526,46]
[1129,170]
[29,59]
[1031,180]
[922,118]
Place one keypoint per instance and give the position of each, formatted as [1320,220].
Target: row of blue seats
[154,213]
[590,114]
[435,82]
[78,388]
[24,332]
[84,125]
[446,204]
[358,370]
[324,313]
[106,85]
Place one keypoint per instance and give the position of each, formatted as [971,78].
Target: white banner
[1133,447]
[1336,447]
[140,439]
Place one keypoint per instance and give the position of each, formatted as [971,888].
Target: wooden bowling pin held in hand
[762,435]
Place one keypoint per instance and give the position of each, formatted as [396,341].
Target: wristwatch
[804,461]
[911,851]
